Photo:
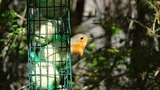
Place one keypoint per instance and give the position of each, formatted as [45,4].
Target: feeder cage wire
[49,58]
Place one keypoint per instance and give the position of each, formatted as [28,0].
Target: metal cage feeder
[48,32]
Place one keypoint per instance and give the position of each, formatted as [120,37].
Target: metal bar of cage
[48,32]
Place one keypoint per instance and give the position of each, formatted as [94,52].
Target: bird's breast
[77,49]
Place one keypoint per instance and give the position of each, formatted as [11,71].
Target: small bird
[78,44]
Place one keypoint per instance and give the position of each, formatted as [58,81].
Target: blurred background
[123,54]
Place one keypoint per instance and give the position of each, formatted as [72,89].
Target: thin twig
[149,2]
[21,17]
[25,86]
[151,32]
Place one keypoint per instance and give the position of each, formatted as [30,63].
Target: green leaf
[116,30]
[88,52]
[95,62]
[102,58]
[112,50]
[22,52]
[3,40]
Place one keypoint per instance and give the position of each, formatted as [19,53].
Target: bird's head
[78,44]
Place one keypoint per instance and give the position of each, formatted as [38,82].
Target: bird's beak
[90,38]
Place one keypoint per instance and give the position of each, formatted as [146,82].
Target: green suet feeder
[49,58]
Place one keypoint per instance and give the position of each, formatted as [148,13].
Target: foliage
[13,50]
[132,65]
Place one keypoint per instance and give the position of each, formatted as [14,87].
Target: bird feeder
[48,32]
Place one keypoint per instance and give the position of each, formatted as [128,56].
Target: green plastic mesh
[49,58]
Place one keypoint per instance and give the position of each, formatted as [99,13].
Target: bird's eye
[81,38]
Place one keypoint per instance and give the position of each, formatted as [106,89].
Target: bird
[78,44]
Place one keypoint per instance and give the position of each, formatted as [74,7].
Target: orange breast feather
[77,49]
